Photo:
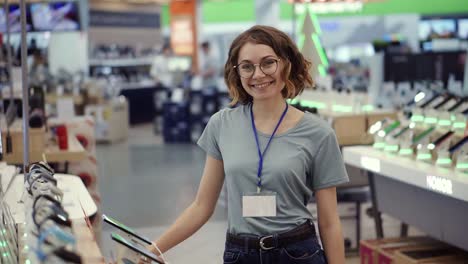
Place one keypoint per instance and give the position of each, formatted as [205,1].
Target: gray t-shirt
[303,159]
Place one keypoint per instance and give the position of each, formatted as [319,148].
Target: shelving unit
[431,198]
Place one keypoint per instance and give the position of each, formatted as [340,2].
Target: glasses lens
[246,70]
[269,66]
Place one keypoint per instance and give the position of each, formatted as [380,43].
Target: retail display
[435,127]
[350,114]
[46,218]
[184,121]
[52,226]
[57,16]
[394,85]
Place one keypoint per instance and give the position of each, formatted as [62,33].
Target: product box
[369,249]
[350,130]
[431,254]
[37,143]
[385,253]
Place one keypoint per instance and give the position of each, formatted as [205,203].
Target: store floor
[146,184]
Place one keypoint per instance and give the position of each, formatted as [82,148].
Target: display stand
[76,200]
[39,147]
[431,198]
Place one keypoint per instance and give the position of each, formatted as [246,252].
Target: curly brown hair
[295,71]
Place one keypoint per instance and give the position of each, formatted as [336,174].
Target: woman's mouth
[262,85]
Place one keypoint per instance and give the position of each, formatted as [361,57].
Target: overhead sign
[100,18]
[330,7]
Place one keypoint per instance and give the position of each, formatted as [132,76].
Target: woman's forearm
[192,219]
[333,243]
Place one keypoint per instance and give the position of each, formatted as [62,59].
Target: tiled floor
[147,184]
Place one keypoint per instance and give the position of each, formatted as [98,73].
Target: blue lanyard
[260,154]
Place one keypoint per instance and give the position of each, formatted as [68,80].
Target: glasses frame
[255,67]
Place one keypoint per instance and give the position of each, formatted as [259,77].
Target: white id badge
[259,204]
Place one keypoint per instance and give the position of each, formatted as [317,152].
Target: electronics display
[423,135]
[443,102]
[439,141]
[455,106]
[438,66]
[42,16]
[401,132]
[14,18]
[463,28]
[55,16]
[431,100]
[135,248]
[124,228]
[437,28]
[458,145]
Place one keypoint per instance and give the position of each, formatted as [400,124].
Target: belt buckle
[262,243]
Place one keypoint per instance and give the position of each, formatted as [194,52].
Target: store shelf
[77,202]
[52,98]
[76,199]
[127,62]
[52,153]
[86,244]
[432,199]
[423,175]
[137,85]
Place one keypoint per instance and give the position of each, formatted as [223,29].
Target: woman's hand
[146,260]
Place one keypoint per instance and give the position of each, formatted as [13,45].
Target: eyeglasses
[247,69]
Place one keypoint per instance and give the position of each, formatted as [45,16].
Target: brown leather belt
[300,233]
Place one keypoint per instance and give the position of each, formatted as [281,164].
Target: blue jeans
[303,252]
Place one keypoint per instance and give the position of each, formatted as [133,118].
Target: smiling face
[261,86]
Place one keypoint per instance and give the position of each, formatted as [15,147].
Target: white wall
[72,52]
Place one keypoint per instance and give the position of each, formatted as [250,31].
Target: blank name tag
[259,205]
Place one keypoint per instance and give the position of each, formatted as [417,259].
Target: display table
[53,98]
[39,145]
[350,115]
[52,153]
[76,199]
[351,127]
[433,199]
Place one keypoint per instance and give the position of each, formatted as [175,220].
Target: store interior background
[148,167]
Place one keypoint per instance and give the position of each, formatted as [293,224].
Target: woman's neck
[265,110]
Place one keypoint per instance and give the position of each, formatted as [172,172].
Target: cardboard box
[350,130]
[431,254]
[37,140]
[111,120]
[369,249]
[385,253]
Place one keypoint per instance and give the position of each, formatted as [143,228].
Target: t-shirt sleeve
[209,140]
[328,168]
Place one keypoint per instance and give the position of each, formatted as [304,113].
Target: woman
[273,157]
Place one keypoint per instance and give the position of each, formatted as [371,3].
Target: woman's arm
[330,226]
[198,213]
